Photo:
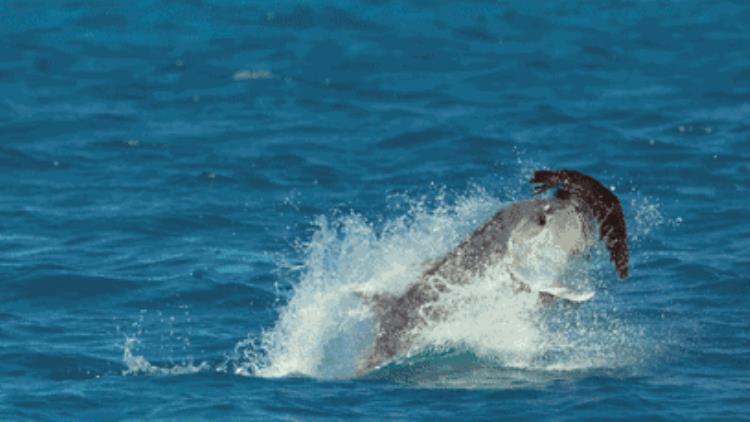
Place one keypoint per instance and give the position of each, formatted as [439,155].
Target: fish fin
[551,294]
[566,294]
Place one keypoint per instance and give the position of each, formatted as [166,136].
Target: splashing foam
[489,336]
[138,364]
[325,329]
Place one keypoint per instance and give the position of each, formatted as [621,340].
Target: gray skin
[569,225]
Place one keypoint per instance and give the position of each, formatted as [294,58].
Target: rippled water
[192,193]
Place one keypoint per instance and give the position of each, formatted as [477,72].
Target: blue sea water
[192,191]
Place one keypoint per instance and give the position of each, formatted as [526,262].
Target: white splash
[138,364]
[325,329]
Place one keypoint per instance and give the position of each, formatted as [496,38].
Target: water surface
[191,190]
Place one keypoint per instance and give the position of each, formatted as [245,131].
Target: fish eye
[542,219]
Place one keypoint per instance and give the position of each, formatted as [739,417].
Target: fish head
[549,232]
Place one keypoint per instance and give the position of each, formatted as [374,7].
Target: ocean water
[192,193]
